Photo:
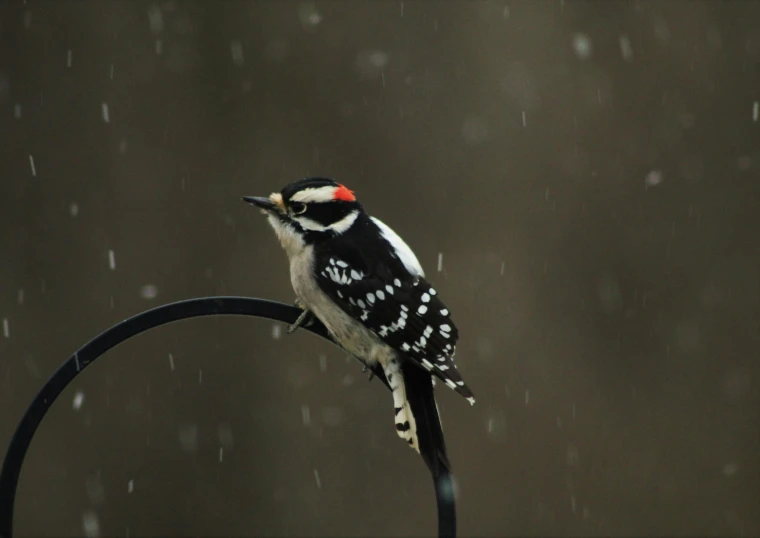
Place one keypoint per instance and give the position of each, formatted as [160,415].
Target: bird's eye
[298,208]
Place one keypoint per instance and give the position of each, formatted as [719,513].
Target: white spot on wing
[425,298]
[422,309]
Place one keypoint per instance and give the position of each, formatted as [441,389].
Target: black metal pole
[204,306]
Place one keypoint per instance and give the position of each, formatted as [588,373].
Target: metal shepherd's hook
[204,306]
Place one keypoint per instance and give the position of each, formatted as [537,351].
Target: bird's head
[312,207]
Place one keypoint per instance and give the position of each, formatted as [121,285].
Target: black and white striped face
[310,207]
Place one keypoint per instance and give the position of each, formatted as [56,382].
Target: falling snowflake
[582,46]
[78,401]
[653,178]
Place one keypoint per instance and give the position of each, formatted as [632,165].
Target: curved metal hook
[204,306]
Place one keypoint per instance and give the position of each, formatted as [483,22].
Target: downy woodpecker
[364,283]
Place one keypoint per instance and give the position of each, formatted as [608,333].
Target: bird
[356,275]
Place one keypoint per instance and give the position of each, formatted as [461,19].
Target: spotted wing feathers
[406,314]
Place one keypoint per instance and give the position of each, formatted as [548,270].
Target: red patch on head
[342,193]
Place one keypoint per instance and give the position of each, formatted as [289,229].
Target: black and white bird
[364,283]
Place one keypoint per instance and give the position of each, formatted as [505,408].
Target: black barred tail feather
[406,425]
[416,413]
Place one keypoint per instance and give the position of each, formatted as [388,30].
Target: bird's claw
[304,320]
[371,373]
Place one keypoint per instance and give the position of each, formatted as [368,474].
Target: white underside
[352,335]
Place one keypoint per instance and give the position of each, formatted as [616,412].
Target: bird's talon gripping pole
[365,369]
[304,320]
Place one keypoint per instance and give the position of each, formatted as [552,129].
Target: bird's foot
[365,369]
[304,320]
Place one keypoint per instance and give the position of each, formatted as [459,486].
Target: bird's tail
[416,413]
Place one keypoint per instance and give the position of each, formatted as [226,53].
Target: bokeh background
[580,181]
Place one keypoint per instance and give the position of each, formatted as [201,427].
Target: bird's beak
[263,203]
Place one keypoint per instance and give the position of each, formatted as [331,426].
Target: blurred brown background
[587,171]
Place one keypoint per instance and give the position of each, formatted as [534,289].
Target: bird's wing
[405,314]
